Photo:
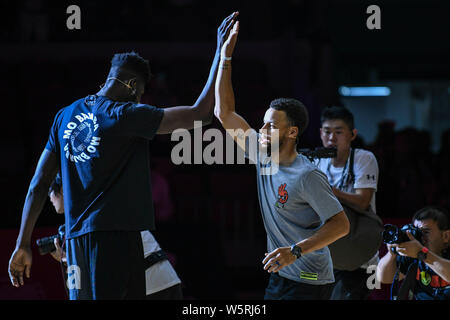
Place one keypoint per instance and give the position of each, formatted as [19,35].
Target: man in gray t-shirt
[300,213]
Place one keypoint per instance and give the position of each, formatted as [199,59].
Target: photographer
[423,266]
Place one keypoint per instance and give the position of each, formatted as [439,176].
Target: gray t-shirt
[295,202]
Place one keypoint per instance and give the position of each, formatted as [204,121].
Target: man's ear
[354,134]
[293,132]
[133,86]
[446,237]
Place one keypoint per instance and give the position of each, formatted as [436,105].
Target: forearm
[439,265]
[34,203]
[204,104]
[359,201]
[334,229]
[386,268]
[224,94]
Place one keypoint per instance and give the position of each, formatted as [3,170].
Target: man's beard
[270,147]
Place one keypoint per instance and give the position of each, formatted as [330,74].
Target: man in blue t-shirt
[301,215]
[100,144]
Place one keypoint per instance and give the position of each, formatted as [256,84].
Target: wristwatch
[422,254]
[296,250]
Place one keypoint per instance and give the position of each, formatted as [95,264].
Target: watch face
[296,251]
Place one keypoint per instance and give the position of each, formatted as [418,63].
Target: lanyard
[345,178]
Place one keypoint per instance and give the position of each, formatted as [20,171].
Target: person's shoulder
[304,164]
[136,107]
[322,163]
[364,155]
[307,169]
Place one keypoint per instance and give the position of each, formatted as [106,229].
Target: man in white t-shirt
[354,182]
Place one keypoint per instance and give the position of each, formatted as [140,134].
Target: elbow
[220,114]
[38,189]
[346,229]
[379,278]
[345,226]
[364,205]
[217,112]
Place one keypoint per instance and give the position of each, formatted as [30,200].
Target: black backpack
[364,239]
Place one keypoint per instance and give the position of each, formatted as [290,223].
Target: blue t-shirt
[104,157]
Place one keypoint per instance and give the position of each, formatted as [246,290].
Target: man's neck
[287,156]
[112,93]
[341,158]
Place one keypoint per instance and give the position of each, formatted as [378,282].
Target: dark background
[208,215]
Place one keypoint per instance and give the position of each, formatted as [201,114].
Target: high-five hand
[228,46]
[224,28]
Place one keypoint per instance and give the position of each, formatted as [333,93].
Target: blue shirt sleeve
[141,120]
[52,142]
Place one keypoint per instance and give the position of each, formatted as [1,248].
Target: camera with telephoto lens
[392,234]
[47,245]
[319,153]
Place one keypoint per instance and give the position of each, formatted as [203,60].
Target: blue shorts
[106,265]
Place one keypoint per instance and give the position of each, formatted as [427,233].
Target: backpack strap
[408,283]
[155,257]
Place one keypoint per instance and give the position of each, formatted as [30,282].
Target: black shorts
[280,288]
[106,265]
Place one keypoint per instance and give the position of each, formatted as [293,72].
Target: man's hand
[228,46]
[59,254]
[278,259]
[408,248]
[224,29]
[20,261]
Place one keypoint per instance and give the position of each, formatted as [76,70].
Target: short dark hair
[435,213]
[132,62]
[56,185]
[338,113]
[296,113]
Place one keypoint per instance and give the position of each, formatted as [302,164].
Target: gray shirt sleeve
[317,192]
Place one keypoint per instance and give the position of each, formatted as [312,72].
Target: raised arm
[20,261]
[202,110]
[224,109]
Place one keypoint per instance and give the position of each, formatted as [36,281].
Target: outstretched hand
[228,46]
[224,29]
